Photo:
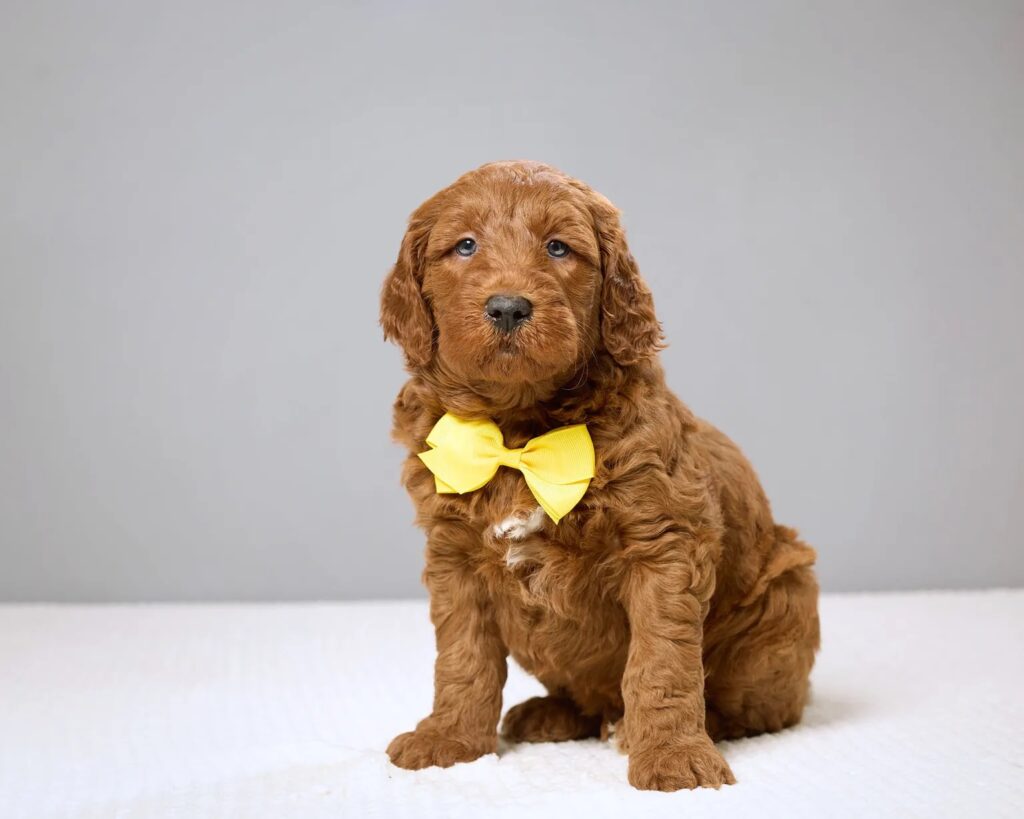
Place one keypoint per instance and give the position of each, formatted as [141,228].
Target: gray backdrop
[199,201]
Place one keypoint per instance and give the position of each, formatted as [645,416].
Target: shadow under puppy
[665,602]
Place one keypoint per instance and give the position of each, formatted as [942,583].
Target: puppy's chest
[511,517]
[534,561]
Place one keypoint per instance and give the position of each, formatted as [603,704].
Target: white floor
[232,712]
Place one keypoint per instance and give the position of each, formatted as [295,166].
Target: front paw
[423,748]
[688,763]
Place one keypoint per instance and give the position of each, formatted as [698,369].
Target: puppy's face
[512,274]
[516,273]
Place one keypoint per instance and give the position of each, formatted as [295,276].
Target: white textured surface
[231,712]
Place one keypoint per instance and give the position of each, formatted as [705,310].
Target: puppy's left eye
[557,249]
[466,247]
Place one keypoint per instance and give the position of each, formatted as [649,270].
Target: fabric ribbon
[558,465]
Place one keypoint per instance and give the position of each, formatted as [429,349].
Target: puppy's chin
[514,364]
[531,353]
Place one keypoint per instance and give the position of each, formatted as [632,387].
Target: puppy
[666,606]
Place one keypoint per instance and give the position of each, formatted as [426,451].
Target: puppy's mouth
[513,353]
[525,353]
[511,343]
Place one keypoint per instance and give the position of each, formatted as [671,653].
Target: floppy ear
[404,313]
[630,330]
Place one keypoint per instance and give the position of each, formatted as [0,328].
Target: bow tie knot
[511,457]
[465,454]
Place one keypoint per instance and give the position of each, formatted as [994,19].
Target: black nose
[508,312]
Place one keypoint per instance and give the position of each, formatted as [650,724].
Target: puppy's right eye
[465,247]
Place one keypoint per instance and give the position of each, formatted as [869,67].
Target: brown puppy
[667,603]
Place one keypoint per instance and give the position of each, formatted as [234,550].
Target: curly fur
[667,605]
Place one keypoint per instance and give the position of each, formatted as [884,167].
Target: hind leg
[548,719]
[758,658]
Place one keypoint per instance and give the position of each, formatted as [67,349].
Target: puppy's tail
[787,554]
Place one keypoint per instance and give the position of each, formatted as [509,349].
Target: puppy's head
[517,273]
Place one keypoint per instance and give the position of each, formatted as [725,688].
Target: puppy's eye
[466,247]
[557,249]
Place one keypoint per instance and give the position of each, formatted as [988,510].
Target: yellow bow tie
[557,466]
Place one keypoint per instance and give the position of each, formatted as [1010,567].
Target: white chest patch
[516,528]
[520,526]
